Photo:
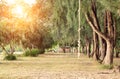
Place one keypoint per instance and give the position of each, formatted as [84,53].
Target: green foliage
[41,51]
[26,53]
[40,38]
[32,52]
[112,5]
[29,53]
[65,21]
[10,57]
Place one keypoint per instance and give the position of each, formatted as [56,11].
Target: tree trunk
[92,53]
[12,50]
[96,38]
[64,49]
[109,40]
[95,46]
[117,55]
[87,47]
[103,50]
[3,48]
[88,50]
[109,53]
[104,46]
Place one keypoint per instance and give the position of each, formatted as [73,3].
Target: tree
[12,31]
[65,22]
[37,34]
[109,38]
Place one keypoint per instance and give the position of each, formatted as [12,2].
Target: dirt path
[54,66]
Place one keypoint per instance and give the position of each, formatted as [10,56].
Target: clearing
[55,66]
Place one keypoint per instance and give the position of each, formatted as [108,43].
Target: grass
[25,66]
[107,66]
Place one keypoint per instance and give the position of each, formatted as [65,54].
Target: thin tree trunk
[117,55]
[103,50]
[88,50]
[96,39]
[95,46]
[87,47]
[12,50]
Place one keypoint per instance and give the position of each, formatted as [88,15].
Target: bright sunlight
[10,2]
[29,2]
[18,11]
[17,8]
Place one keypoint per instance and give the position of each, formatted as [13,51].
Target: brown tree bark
[87,46]
[103,49]
[117,52]
[108,60]
[117,55]
[95,46]
[111,42]
[96,38]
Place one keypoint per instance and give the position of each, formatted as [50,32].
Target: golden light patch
[10,2]
[17,11]
[30,2]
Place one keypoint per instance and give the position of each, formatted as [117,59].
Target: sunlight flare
[18,11]
[18,7]
[10,2]
[30,2]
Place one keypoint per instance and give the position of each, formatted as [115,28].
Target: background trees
[96,42]
[31,29]
[103,26]
[56,21]
[65,22]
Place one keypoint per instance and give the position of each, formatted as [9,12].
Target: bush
[41,51]
[10,57]
[26,53]
[32,52]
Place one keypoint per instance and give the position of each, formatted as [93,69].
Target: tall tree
[65,22]
[109,38]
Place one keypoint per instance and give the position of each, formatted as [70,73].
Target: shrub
[41,51]
[10,57]
[26,53]
[32,52]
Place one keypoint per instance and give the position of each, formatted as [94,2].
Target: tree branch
[4,49]
[95,29]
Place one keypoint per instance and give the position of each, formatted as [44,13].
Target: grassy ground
[50,66]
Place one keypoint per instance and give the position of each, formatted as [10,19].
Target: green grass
[106,66]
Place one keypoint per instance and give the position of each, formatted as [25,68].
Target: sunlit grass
[24,66]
